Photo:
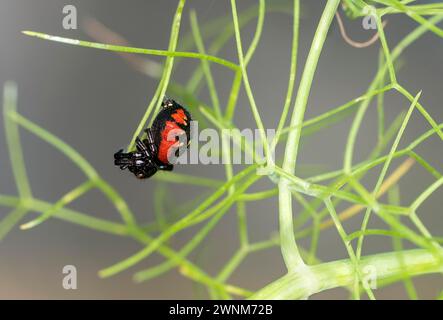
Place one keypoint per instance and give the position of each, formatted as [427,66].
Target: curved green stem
[289,248]
[341,273]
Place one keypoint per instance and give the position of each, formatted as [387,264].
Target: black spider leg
[125,160]
[143,166]
[153,149]
[143,162]
[135,160]
[120,159]
[149,146]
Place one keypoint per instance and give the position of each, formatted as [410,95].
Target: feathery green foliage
[317,197]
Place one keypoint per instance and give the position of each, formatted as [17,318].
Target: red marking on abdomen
[166,146]
[180,117]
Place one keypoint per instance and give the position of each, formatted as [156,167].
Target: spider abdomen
[170,131]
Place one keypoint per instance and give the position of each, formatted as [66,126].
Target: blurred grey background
[93,100]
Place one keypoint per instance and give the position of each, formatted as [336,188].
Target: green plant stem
[81,163]
[11,219]
[113,228]
[16,158]
[108,47]
[385,170]
[289,248]
[13,141]
[65,200]
[220,209]
[179,225]
[65,214]
[205,65]
[349,249]
[164,81]
[245,78]
[398,50]
[292,72]
[298,285]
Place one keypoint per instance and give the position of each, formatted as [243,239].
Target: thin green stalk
[245,78]
[289,248]
[392,220]
[421,109]
[65,214]
[349,249]
[164,82]
[302,218]
[387,53]
[205,65]
[380,101]
[11,219]
[415,16]
[232,264]
[13,140]
[152,272]
[214,96]
[330,114]
[428,167]
[108,47]
[292,72]
[16,158]
[401,46]
[225,35]
[64,201]
[236,83]
[385,169]
[258,195]
[316,219]
[176,227]
[81,163]
[56,142]
[220,209]
[426,194]
[233,96]
[242,223]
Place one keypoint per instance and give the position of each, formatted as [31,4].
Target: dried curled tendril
[354,43]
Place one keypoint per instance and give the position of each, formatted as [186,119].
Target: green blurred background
[93,100]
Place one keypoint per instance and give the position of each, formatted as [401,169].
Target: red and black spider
[163,142]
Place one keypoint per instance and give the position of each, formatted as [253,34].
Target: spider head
[141,166]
